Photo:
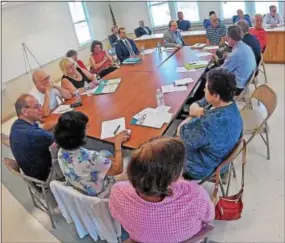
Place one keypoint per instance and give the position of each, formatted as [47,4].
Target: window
[80,21]
[263,7]
[160,13]
[190,10]
[230,9]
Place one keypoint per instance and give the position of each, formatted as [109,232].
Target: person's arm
[134,46]
[266,21]
[119,52]
[63,92]
[89,75]
[66,84]
[110,59]
[117,162]
[196,110]
[208,38]
[189,28]
[230,63]
[205,206]
[46,107]
[81,64]
[48,125]
[95,65]
[42,139]
[281,21]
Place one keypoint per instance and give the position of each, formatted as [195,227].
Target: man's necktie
[129,47]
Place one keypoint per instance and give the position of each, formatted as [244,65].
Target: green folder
[190,66]
[111,82]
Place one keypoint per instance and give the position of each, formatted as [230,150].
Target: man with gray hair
[273,19]
[30,143]
[142,29]
[216,32]
[241,60]
[250,40]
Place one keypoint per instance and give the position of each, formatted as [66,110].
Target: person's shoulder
[188,188]
[121,189]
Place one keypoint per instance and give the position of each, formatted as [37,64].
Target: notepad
[183,70]
[62,109]
[149,51]
[199,45]
[107,86]
[183,81]
[203,54]
[132,60]
[109,127]
[171,88]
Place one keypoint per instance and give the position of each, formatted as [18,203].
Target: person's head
[96,47]
[141,23]
[41,79]
[68,66]
[114,29]
[240,13]
[156,165]
[28,108]
[234,35]
[214,20]
[70,131]
[122,33]
[220,87]
[243,26]
[211,12]
[72,54]
[258,21]
[173,25]
[273,10]
[180,15]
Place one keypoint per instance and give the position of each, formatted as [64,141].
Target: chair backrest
[267,97]
[5,139]
[234,18]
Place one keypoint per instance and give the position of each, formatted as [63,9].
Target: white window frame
[86,20]
[278,6]
[149,5]
[246,10]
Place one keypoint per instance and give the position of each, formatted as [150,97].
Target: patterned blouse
[86,171]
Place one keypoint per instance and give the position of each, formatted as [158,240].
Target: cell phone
[76,104]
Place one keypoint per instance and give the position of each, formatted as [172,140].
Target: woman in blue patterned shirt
[88,171]
[213,128]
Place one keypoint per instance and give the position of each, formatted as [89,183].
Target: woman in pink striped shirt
[156,204]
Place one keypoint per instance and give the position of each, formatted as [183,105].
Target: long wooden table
[137,91]
[275,47]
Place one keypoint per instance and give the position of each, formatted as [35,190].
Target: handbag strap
[231,157]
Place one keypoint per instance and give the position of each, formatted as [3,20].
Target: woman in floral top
[88,171]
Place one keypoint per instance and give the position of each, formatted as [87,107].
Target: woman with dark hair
[156,205]
[87,171]
[73,54]
[101,62]
[214,126]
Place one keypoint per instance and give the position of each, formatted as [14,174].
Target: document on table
[89,91]
[199,45]
[109,127]
[203,54]
[149,51]
[211,47]
[169,48]
[183,81]
[171,88]
[184,70]
[62,109]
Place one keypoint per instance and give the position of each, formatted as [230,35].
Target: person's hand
[200,112]
[93,84]
[121,137]
[49,87]
[273,25]
[105,59]
[225,55]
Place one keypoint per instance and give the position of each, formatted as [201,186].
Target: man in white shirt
[273,19]
[46,92]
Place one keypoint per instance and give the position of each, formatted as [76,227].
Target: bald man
[216,32]
[46,92]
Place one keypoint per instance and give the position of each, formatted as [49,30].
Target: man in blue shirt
[30,143]
[216,32]
[183,25]
[241,60]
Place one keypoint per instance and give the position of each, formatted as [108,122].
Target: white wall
[47,29]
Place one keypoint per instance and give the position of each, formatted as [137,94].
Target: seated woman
[87,171]
[73,54]
[100,61]
[156,205]
[75,77]
[214,126]
[259,31]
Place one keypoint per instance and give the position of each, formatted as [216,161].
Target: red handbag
[230,207]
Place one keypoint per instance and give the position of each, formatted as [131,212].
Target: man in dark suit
[114,37]
[142,30]
[125,47]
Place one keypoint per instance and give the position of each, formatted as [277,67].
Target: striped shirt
[214,35]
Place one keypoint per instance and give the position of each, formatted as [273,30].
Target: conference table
[275,47]
[137,91]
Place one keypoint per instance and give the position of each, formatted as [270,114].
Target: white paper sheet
[203,54]
[62,109]
[169,48]
[183,81]
[211,47]
[171,88]
[149,51]
[90,91]
[199,45]
[109,88]
[184,70]
[109,127]
[163,108]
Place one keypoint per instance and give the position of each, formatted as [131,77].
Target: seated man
[273,19]
[114,37]
[73,54]
[125,47]
[213,128]
[250,40]
[142,30]
[241,60]
[241,16]
[46,92]
[183,25]
[29,143]
[207,22]
[259,31]
[216,32]
[173,38]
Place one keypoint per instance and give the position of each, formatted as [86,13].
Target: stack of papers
[107,86]
[132,60]
[211,47]
[183,81]
[110,127]
[150,117]
[198,45]
[169,48]
[149,51]
[203,54]
[183,70]
[171,88]
[62,109]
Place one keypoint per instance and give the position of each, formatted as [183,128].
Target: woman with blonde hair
[74,77]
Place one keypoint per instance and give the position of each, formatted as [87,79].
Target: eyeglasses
[46,79]
[36,106]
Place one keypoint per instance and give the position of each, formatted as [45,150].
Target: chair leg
[234,171]
[267,142]
[32,196]
[264,72]
[48,208]
[222,187]
[229,179]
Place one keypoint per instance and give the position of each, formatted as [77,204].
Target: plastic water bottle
[159,97]
[77,96]
[158,47]
[142,50]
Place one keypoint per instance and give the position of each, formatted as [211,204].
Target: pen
[118,127]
